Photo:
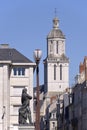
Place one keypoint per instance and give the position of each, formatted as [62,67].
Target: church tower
[56,64]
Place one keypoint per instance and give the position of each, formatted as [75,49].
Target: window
[54,72]
[53,115]
[51,46]
[15,71]
[23,71]
[19,71]
[53,124]
[60,72]
[57,47]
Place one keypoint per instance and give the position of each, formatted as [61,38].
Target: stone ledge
[26,127]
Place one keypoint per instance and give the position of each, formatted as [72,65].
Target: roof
[56,32]
[11,54]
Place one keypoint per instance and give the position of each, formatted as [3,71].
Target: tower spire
[55,20]
[55,12]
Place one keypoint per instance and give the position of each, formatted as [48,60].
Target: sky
[25,24]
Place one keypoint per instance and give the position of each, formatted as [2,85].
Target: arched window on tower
[60,72]
[57,47]
[54,72]
[51,46]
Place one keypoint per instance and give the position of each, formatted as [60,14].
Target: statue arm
[29,97]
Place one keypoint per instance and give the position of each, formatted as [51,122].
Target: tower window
[54,72]
[57,47]
[51,47]
[60,72]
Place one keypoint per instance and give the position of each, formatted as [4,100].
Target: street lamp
[37,57]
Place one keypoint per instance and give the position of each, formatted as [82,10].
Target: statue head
[24,90]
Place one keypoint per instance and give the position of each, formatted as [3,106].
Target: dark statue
[24,110]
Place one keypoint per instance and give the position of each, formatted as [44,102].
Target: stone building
[80,97]
[77,109]
[16,73]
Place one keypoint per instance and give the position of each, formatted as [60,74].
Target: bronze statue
[24,110]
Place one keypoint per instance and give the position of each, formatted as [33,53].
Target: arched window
[51,46]
[57,47]
[54,72]
[60,72]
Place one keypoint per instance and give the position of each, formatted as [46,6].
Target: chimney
[4,45]
[81,68]
[85,66]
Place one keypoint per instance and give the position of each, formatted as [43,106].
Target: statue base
[26,127]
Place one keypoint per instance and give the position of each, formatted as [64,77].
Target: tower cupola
[56,32]
[55,23]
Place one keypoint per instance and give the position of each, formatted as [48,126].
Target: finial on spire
[55,20]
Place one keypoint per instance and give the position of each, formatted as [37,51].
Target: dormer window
[15,71]
[18,71]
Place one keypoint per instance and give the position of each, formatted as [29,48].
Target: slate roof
[56,33]
[11,54]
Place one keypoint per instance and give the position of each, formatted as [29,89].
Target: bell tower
[56,64]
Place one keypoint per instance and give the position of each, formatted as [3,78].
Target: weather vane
[55,12]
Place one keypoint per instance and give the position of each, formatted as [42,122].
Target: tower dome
[56,32]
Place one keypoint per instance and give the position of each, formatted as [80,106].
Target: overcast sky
[25,24]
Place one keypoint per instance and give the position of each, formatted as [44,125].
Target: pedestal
[26,127]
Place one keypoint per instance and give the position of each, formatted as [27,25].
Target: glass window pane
[23,71]
[15,71]
[19,71]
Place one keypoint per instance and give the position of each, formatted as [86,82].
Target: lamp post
[37,57]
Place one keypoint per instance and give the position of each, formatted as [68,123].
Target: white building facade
[16,73]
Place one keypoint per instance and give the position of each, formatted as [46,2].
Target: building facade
[80,97]
[75,117]
[16,73]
